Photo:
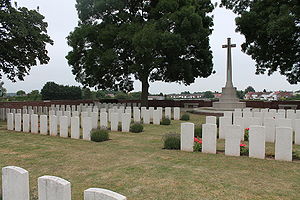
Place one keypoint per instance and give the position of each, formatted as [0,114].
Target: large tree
[150,40]
[272,32]
[23,39]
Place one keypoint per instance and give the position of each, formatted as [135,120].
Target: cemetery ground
[135,165]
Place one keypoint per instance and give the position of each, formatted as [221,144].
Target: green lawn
[135,165]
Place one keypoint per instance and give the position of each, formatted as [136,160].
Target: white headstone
[211,120]
[86,128]
[176,113]
[53,188]
[151,110]
[26,122]
[269,123]
[209,138]
[284,123]
[146,119]
[83,115]
[63,126]
[156,117]
[283,143]
[257,136]
[15,183]
[136,115]
[255,121]
[103,120]
[102,194]
[114,121]
[232,140]
[168,113]
[44,124]
[18,122]
[224,122]
[297,131]
[34,123]
[10,121]
[75,127]
[239,121]
[53,125]
[187,137]
[94,119]
[126,122]
[160,109]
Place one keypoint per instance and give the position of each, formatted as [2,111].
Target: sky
[62,19]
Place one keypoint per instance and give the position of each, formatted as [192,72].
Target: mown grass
[135,165]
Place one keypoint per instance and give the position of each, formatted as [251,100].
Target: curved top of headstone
[15,169]
[102,194]
[54,179]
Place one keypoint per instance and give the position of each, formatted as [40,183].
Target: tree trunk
[145,93]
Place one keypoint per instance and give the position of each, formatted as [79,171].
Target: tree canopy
[53,91]
[157,40]
[272,32]
[249,89]
[23,39]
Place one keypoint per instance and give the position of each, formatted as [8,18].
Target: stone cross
[229,64]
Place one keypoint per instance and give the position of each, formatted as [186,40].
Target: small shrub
[185,117]
[136,128]
[99,135]
[296,155]
[246,135]
[165,121]
[171,141]
[244,150]
[197,144]
[198,131]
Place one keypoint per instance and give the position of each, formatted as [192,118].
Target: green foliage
[272,32]
[171,141]
[197,146]
[136,128]
[185,117]
[198,131]
[34,95]
[246,135]
[53,91]
[165,121]
[20,93]
[168,41]
[296,155]
[240,94]
[2,89]
[99,135]
[23,40]
[249,89]
[121,95]
[244,150]
[87,93]
[208,95]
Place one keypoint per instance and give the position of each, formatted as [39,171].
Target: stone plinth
[229,100]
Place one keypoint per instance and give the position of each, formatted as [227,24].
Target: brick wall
[152,103]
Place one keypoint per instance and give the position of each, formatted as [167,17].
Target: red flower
[198,140]
[247,129]
[243,145]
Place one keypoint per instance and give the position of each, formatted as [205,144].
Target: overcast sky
[62,18]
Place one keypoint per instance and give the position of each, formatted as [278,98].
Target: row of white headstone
[257,135]
[40,124]
[15,186]
[270,124]
[91,109]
